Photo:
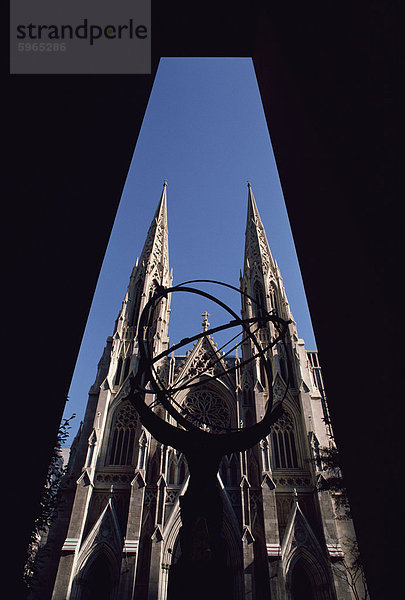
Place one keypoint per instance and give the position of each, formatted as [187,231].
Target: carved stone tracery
[284,422]
[205,406]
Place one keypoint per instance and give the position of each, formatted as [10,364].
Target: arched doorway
[301,587]
[97,582]
[202,577]
[307,577]
[223,581]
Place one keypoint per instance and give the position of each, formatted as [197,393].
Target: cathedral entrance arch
[301,586]
[225,579]
[97,579]
[307,578]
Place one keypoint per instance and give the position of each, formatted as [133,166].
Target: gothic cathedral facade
[116,534]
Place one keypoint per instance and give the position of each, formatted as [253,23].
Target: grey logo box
[80,36]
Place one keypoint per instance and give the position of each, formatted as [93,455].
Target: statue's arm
[162,431]
[247,438]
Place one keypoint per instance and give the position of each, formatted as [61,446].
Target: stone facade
[116,536]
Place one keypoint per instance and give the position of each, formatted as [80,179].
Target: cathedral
[116,535]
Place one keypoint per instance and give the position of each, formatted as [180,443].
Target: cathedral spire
[151,270]
[257,250]
[155,253]
[253,213]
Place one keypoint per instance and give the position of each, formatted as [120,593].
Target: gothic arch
[176,468]
[286,441]
[258,295]
[273,293]
[247,388]
[220,394]
[143,443]
[123,425]
[118,372]
[229,470]
[136,304]
[246,302]
[321,587]
[97,575]
[232,536]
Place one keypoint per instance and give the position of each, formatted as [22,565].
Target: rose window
[206,409]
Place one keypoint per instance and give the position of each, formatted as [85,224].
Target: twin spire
[155,253]
[152,269]
[256,241]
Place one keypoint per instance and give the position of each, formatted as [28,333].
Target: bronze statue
[203,449]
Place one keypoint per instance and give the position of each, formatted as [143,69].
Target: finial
[165,183]
[249,186]
[111,495]
[295,495]
[205,323]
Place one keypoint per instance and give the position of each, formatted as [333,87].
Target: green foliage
[334,481]
[48,501]
[350,569]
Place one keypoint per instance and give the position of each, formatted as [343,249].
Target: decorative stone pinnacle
[205,323]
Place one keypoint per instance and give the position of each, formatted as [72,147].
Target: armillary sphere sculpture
[203,444]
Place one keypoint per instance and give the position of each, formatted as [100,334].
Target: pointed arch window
[136,303]
[153,311]
[122,370]
[143,444]
[172,474]
[264,445]
[123,436]
[273,298]
[284,448]
[245,302]
[247,389]
[259,298]
[230,470]
[177,469]
[152,289]
[118,372]
[127,364]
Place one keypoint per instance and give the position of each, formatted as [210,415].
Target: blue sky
[205,132]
